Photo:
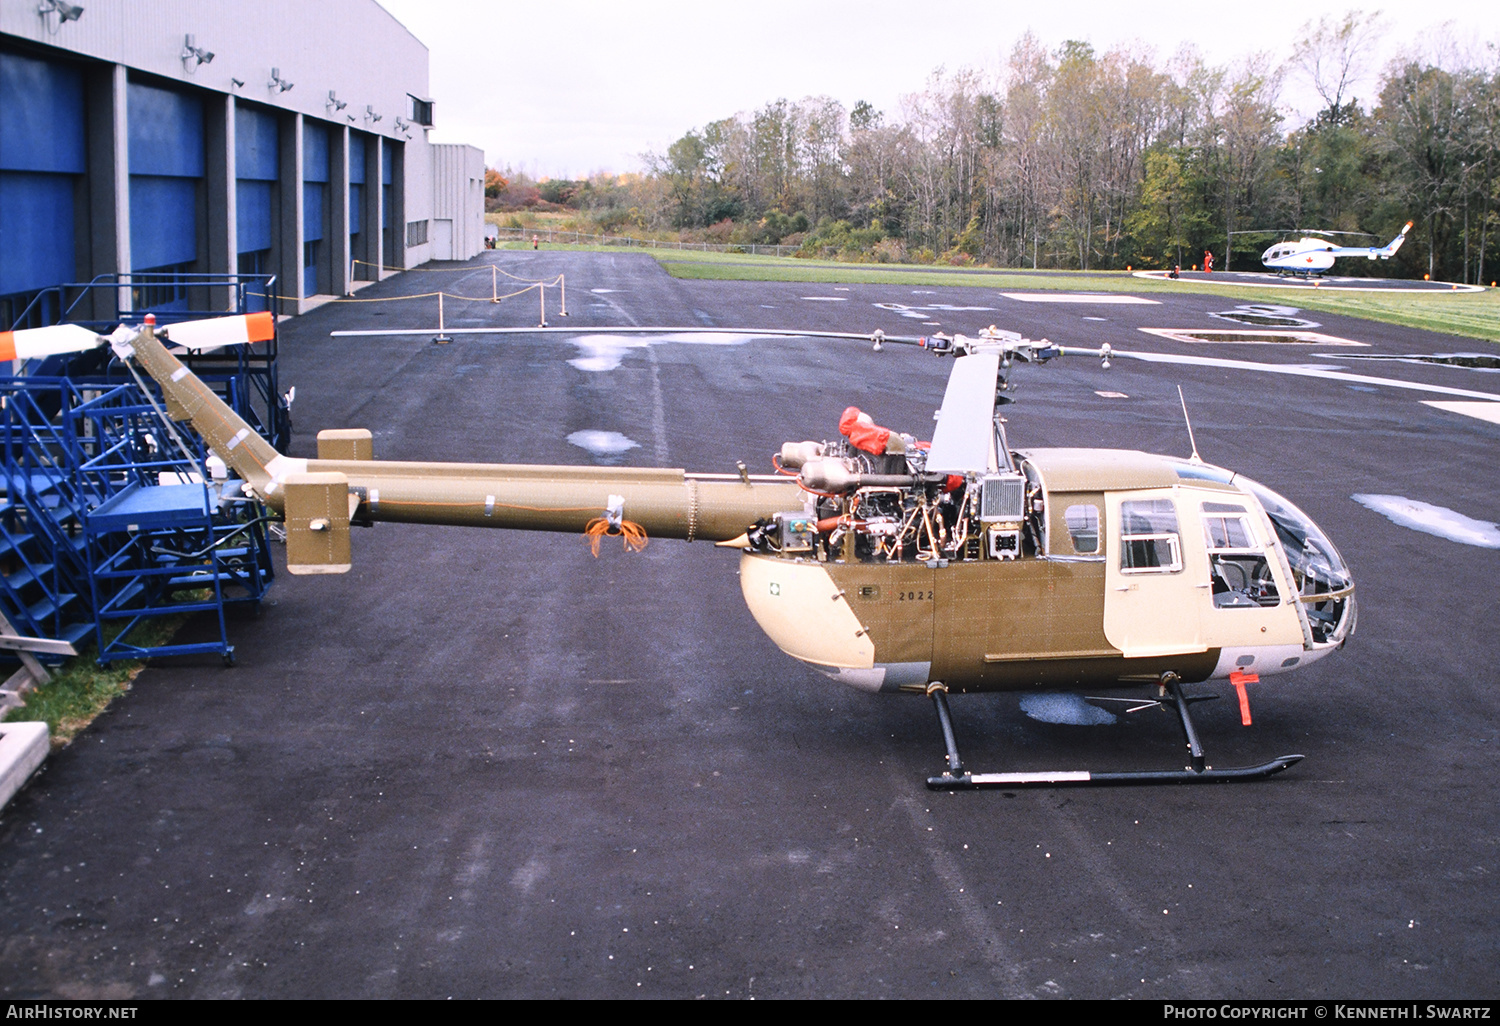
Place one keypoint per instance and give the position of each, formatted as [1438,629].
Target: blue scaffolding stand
[109,520]
[163,550]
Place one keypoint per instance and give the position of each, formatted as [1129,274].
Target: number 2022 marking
[914,596]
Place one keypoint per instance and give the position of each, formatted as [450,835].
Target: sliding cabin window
[1149,539]
[1240,574]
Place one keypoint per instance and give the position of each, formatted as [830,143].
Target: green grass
[81,689]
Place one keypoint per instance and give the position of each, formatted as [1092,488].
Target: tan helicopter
[889,564]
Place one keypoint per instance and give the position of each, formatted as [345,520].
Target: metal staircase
[108,521]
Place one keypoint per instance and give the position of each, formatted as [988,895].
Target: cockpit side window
[1076,525]
[1083,528]
[1227,528]
[1241,575]
[1149,539]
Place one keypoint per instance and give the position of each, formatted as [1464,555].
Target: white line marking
[1481,411]
[1075,297]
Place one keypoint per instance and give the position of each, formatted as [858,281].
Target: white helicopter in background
[1309,255]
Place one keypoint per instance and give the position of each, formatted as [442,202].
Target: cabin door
[1156,574]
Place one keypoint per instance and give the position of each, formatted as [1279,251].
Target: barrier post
[442,337]
[563,285]
[494,285]
[542,293]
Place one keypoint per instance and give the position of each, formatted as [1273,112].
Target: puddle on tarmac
[599,353]
[1469,361]
[1430,519]
[603,443]
[1072,710]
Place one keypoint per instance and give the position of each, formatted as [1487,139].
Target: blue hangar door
[166,193]
[42,163]
[257,159]
[314,208]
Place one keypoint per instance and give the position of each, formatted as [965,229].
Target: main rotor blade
[963,438]
[1293,370]
[1300,371]
[632,329]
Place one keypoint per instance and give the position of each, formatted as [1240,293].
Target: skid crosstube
[956,778]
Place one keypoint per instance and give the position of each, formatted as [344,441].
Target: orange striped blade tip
[32,343]
[216,332]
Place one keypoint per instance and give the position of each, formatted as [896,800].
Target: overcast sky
[568,89]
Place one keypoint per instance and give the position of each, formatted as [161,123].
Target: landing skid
[957,778]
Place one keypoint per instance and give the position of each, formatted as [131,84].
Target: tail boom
[668,503]
[311,493]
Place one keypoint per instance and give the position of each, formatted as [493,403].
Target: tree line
[1070,158]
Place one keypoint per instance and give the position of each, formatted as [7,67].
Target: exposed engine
[872,500]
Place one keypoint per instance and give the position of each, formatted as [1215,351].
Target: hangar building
[163,145]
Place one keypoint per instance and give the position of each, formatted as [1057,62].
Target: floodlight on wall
[277,83]
[238,83]
[65,12]
[193,55]
[370,114]
[403,126]
[334,103]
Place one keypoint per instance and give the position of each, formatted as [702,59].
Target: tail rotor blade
[217,332]
[34,343]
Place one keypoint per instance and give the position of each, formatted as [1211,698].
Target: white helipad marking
[917,313]
[604,352]
[603,443]
[1069,709]
[1112,395]
[826,299]
[1430,519]
[601,292]
[1483,411]
[1078,297]
[1243,337]
[1096,318]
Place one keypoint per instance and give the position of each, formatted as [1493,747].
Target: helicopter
[1310,256]
[888,563]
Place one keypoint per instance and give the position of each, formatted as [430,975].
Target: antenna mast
[1187,420]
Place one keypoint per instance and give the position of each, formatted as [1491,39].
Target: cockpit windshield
[1315,563]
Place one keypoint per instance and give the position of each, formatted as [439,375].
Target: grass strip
[81,689]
